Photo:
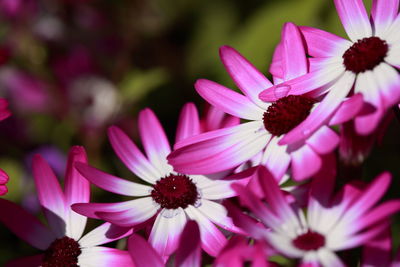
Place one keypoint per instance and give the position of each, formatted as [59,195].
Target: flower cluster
[260,178]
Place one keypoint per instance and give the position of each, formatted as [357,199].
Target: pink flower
[366,63]
[267,123]
[63,244]
[333,222]
[3,180]
[169,196]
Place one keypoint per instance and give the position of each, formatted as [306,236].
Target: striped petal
[323,44]
[131,156]
[112,183]
[77,190]
[51,197]
[139,210]
[228,100]
[104,234]
[212,240]
[154,140]
[104,257]
[188,122]
[383,13]
[354,18]
[189,253]
[249,80]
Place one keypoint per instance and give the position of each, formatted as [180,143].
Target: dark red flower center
[309,241]
[62,252]
[175,191]
[286,113]
[365,54]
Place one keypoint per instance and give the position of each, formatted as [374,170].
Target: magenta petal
[383,13]
[348,109]
[77,189]
[323,141]
[189,253]
[112,183]
[354,18]
[323,44]
[249,80]
[294,58]
[3,177]
[370,196]
[131,156]
[104,234]
[304,156]
[324,181]
[245,222]
[142,253]
[50,195]
[303,84]
[154,140]
[104,257]
[377,252]
[233,147]
[139,210]
[228,100]
[3,190]
[90,209]
[25,225]
[379,213]
[31,261]
[217,119]
[274,195]
[188,122]
[212,240]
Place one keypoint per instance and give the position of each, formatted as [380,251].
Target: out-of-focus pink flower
[26,92]
[3,181]
[17,9]
[78,62]
[268,123]
[63,244]
[333,222]
[367,62]
[170,197]
[4,112]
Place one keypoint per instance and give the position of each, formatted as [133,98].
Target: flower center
[286,113]
[309,241]
[365,54]
[175,191]
[62,252]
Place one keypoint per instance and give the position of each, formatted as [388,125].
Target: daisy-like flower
[332,222]
[63,244]
[169,196]
[267,123]
[364,64]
